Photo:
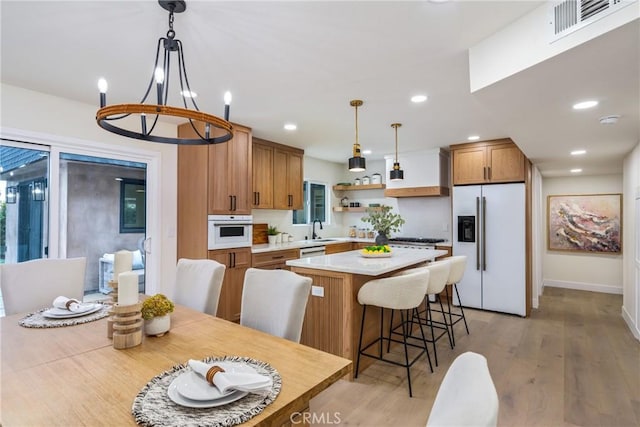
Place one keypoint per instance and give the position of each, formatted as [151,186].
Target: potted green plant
[272,234]
[384,222]
[155,312]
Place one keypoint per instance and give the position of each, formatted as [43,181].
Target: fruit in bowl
[376,250]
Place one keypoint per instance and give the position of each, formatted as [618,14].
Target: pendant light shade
[396,174]
[357,163]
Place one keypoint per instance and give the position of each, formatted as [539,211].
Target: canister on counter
[356,181]
[376,178]
[366,180]
[353,231]
[362,234]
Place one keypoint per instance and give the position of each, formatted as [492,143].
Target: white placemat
[37,320]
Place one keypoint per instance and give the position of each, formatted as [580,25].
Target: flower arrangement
[383,220]
[155,306]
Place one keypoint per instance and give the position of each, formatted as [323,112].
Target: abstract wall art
[585,222]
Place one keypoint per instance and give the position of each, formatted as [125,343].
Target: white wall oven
[230,231]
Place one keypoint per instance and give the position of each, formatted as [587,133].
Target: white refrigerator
[489,228]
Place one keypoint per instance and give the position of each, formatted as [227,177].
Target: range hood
[426,174]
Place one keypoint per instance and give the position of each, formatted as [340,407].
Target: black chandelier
[107,115]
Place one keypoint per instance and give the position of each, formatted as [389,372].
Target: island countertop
[353,262]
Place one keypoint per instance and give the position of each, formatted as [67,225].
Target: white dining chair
[467,395]
[198,284]
[275,301]
[31,285]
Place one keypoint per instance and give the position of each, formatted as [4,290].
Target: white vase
[157,326]
[272,239]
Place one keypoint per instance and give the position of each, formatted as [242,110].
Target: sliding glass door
[24,202]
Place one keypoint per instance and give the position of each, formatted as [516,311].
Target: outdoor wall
[578,270]
[93,214]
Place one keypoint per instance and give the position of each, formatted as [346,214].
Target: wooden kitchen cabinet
[274,259]
[278,176]
[200,174]
[237,261]
[262,176]
[230,174]
[335,248]
[487,162]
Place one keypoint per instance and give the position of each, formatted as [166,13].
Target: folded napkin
[66,303]
[225,381]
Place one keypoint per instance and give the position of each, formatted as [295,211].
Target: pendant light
[357,163]
[396,174]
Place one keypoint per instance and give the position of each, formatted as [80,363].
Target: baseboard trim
[629,320]
[591,287]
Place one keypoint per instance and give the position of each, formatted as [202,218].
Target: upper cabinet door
[295,180]
[262,176]
[230,174]
[496,161]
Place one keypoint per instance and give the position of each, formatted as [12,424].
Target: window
[315,204]
[132,206]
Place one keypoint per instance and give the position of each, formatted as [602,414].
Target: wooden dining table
[72,375]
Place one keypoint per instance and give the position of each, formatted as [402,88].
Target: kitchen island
[333,316]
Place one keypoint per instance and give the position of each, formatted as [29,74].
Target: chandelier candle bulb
[227,103]
[102,87]
[159,81]
[128,288]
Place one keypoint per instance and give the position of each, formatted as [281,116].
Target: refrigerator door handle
[478,234]
[484,233]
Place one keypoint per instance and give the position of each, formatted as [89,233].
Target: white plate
[194,387]
[176,397]
[375,255]
[59,313]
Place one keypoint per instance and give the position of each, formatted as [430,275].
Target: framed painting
[585,223]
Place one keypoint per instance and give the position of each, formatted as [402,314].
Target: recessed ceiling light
[418,98]
[609,120]
[290,126]
[576,170]
[366,152]
[473,138]
[584,105]
[578,152]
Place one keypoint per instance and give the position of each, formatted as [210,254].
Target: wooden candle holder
[127,325]
[113,284]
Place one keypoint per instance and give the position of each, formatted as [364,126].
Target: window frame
[306,191]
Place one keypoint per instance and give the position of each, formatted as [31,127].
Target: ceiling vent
[570,15]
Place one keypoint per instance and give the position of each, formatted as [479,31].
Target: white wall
[576,270]
[526,42]
[424,216]
[70,126]
[631,242]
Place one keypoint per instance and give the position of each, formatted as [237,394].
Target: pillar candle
[127,288]
[122,261]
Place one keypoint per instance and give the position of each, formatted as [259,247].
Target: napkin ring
[69,302]
[211,372]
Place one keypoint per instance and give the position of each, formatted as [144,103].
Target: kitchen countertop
[305,244]
[353,262]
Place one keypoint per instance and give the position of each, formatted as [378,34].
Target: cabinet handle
[290,200]
[484,172]
[230,259]
[234,203]
[258,198]
[489,173]
[277,257]
[230,203]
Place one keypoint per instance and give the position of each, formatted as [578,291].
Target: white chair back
[275,301]
[198,284]
[439,274]
[467,396]
[401,292]
[458,265]
[31,285]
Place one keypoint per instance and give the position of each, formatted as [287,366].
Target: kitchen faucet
[313,228]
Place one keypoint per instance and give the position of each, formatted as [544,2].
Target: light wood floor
[572,363]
